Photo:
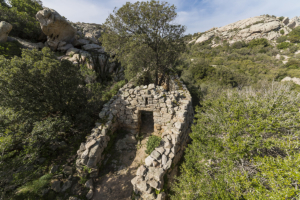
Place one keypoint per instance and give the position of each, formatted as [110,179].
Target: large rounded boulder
[56,27]
[5,28]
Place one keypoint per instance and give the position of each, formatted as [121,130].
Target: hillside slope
[264,26]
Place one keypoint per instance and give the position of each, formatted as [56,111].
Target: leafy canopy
[21,14]
[142,36]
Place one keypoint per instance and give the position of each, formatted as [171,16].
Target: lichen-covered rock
[5,28]
[56,27]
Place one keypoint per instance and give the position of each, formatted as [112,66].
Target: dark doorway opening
[146,122]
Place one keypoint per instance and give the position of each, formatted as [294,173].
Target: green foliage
[21,15]
[243,146]
[281,39]
[142,36]
[257,42]
[281,18]
[239,45]
[34,188]
[10,49]
[152,143]
[284,45]
[293,64]
[282,32]
[294,39]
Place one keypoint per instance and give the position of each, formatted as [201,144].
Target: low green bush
[282,32]
[294,39]
[10,49]
[284,45]
[152,143]
[245,146]
[281,39]
[260,41]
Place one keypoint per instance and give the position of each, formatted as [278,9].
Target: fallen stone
[56,186]
[89,184]
[54,169]
[66,185]
[90,194]
[68,170]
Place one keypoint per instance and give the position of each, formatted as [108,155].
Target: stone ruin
[172,114]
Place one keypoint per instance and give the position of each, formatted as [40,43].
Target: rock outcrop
[56,27]
[248,29]
[5,28]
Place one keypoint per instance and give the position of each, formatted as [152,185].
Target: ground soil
[120,167]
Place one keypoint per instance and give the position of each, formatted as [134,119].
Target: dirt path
[120,166]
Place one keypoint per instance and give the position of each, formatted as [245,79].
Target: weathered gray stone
[5,28]
[68,170]
[56,186]
[85,154]
[161,196]
[156,173]
[90,194]
[89,184]
[66,185]
[164,160]
[90,143]
[149,161]
[141,170]
[54,169]
[55,27]
[155,154]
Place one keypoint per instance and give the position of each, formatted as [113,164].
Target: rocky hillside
[265,26]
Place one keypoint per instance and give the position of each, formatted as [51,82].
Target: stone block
[155,154]
[149,161]
[141,171]
[155,173]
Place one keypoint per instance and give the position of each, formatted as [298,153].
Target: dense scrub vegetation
[246,134]
[245,146]
[21,15]
[45,104]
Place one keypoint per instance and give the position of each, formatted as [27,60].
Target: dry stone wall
[173,116]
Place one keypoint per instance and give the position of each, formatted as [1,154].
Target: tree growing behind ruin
[144,37]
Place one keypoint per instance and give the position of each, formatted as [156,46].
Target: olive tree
[144,37]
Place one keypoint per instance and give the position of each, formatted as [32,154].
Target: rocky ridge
[268,27]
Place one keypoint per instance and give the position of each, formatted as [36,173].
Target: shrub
[284,45]
[294,39]
[239,44]
[293,64]
[21,15]
[152,143]
[281,18]
[281,39]
[260,41]
[282,32]
[244,146]
[10,49]
[294,48]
